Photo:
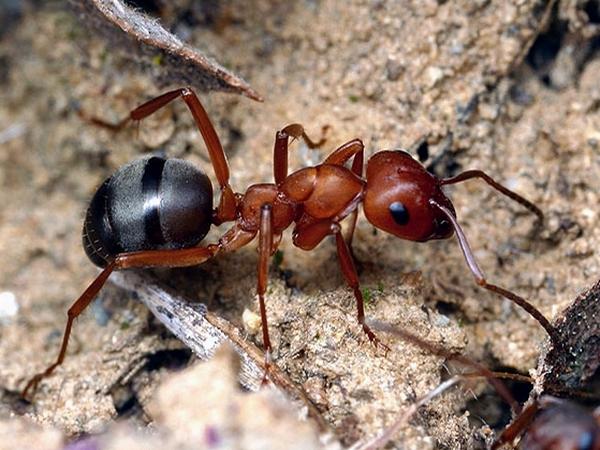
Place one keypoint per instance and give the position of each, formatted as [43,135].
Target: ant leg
[521,422]
[354,149]
[233,239]
[469,174]
[281,148]
[349,272]
[167,258]
[164,258]
[265,250]
[280,157]
[226,210]
[481,281]
[74,311]
[340,156]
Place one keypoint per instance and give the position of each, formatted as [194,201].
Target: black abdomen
[148,204]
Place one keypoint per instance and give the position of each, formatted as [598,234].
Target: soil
[510,88]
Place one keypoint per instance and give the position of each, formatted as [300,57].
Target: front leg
[266,248]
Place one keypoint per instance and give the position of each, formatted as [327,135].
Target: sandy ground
[448,77]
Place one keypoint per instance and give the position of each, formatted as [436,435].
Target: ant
[554,423]
[153,212]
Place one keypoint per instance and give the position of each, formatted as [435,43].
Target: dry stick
[389,433]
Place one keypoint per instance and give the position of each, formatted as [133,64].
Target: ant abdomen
[175,210]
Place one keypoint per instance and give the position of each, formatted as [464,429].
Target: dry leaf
[157,50]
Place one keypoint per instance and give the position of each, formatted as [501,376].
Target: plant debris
[157,50]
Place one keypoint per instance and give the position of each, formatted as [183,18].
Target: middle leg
[351,276]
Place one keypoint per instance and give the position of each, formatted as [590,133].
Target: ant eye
[399,213]
[586,441]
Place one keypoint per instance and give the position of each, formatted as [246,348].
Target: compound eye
[399,213]
[586,441]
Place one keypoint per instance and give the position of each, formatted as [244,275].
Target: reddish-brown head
[397,198]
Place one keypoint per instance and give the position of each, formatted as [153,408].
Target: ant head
[562,424]
[398,198]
